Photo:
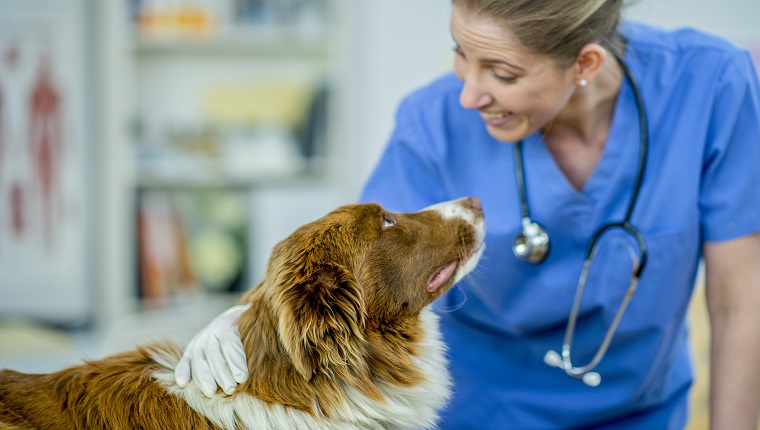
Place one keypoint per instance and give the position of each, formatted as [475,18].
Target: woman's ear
[589,62]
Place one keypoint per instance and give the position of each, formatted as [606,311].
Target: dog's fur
[338,335]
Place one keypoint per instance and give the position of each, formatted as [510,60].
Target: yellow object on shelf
[279,103]
[183,20]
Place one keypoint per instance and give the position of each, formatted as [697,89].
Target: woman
[542,76]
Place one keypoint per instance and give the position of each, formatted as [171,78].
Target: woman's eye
[387,223]
[505,79]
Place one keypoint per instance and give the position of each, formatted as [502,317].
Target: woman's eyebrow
[502,62]
[489,60]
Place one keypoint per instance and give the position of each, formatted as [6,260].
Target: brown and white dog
[339,335]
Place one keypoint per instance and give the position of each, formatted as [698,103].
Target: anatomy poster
[43,161]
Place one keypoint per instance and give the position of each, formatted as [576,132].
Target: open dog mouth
[443,274]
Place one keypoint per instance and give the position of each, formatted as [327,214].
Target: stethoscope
[532,245]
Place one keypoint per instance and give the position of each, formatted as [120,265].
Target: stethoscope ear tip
[553,359]
[592,379]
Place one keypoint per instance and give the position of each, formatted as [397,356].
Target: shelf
[213,108]
[239,42]
[225,182]
[233,171]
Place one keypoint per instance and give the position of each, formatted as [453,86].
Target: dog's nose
[474,203]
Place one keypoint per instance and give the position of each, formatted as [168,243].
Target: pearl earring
[583,82]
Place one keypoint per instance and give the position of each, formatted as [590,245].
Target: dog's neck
[391,357]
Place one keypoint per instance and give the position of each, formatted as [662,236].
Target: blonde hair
[556,28]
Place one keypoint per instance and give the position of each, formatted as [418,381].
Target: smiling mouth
[493,115]
[496,117]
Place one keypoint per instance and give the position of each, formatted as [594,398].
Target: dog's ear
[321,320]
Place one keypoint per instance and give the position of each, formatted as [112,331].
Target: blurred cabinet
[229,104]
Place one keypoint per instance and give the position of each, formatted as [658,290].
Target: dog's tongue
[441,276]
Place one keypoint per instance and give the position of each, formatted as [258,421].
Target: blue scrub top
[701,183]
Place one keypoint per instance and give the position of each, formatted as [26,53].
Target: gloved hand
[215,356]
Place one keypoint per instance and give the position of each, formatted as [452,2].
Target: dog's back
[81,397]
[338,335]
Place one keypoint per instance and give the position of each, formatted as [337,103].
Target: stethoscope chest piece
[532,244]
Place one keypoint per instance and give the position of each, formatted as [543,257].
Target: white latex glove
[215,356]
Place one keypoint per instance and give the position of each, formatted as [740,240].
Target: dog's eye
[388,223]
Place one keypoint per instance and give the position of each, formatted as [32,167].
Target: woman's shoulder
[442,91]
[432,118]
[435,107]
[681,42]
[685,57]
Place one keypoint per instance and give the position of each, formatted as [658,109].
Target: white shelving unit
[151,88]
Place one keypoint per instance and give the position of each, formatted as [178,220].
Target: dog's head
[363,268]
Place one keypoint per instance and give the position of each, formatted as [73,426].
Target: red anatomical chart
[45,145]
[43,164]
[32,148]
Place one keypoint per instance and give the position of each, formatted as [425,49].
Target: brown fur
[340,305]
[117,392]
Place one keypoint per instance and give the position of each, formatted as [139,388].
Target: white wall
[390,47]
[393,46]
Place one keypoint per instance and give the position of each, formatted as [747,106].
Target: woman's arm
[733,301]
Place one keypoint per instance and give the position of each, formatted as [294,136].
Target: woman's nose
[473,95]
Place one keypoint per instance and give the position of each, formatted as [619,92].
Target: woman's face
[515,91]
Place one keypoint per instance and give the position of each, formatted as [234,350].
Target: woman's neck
[588,115]
[577,136]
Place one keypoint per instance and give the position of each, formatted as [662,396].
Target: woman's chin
[512,132]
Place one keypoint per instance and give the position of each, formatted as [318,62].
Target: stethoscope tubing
[564,361]
[567,363]
[629,228]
